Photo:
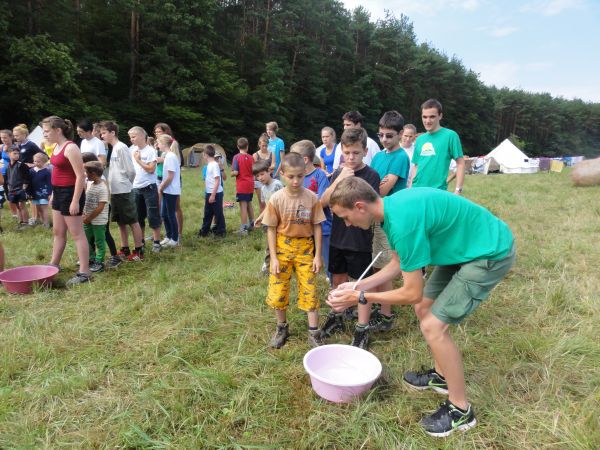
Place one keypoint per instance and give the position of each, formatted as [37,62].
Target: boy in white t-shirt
[213,198]
[144,184]
[89,142]
[269,186]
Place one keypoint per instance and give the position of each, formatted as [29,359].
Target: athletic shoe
[251,226]
[448,419]
[243,231]
[264,269]
[156,247]
[96,267]
[135,257]
[426,379]
[380,322]
[333,324]
[22,226]
[351,313]
[315,339]
[171,244]
[164,241]
[114,261]
[123,256]
[79,278]
[31,222]
[361,338]
[280,337]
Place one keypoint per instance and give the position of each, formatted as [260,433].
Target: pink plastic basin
[340,373]
[19,280]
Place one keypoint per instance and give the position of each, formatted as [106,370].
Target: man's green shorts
[458,290]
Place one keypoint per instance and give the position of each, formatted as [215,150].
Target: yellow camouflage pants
[294,254]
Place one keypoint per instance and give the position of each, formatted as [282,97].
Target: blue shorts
[18,196]
[41,201]
[243,197]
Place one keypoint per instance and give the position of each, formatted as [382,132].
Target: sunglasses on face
[387,135]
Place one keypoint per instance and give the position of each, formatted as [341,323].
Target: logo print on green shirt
[427,149]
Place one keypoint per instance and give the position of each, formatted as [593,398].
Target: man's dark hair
[432,103]
[392,120]
[355,117]
[85,125]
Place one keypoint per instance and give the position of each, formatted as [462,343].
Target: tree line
[219,69]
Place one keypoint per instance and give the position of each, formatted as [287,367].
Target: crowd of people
[365,215]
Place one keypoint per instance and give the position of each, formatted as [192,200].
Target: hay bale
[586,173]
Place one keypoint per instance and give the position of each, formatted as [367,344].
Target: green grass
[172,352]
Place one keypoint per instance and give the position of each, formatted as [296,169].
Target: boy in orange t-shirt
[294,216]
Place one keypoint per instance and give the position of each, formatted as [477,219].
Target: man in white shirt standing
[354,119]
[145,188]
[89,142]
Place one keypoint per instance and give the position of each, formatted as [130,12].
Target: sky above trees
[534,45]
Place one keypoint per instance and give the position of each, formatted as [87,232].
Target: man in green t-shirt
[471,249]
[434,150]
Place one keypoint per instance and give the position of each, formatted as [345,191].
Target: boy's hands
[212,198]
[274,266]
[317,264]
[341,299]
[345,173]
[87,220]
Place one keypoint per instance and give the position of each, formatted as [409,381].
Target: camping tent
[507,158]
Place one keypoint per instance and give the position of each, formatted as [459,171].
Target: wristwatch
[459,190]
[361,298]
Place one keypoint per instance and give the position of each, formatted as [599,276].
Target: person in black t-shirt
[350,247]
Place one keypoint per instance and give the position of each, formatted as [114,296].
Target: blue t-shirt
[276,146]
[317,182]
[395,163]
[328,160]
[28,149]
[6,158]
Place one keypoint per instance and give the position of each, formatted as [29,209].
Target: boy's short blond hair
[304,148]
[41,155]
[272,126]
[292,161]
[351,190]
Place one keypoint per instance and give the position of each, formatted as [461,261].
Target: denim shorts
[146,201]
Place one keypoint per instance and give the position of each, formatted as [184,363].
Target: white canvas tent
[36,136]
[507,158]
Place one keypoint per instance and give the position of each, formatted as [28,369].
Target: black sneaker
[448,419]
[79,278]
[96,267]
[280,337]
[333,323]
[315,338]
[350,313]
[361,338]
[426,379]
[380,322]
[114,261]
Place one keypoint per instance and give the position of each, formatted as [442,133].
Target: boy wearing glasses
[393,166]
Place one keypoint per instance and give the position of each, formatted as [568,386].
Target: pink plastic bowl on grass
[340,373]
[19,280]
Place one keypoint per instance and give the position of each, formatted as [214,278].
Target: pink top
[63,174]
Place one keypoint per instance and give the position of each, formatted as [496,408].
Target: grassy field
[173,352]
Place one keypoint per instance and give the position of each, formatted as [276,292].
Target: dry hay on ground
[586,173]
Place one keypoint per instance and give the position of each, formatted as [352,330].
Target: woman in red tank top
[68,196]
